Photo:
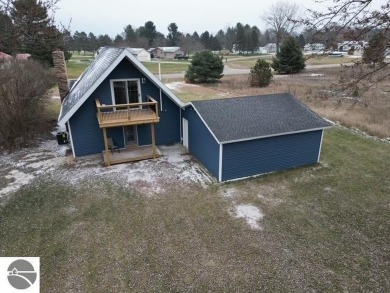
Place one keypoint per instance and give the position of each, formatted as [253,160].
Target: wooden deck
[131,154]
[127,114]
[128,117]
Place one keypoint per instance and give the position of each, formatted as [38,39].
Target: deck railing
[133,112]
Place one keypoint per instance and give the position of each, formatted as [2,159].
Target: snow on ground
[151,177]
[251,214]
[178,85]
[18,179]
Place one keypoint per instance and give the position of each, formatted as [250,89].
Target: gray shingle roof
[244,118]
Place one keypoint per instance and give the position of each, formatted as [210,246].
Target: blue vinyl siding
[253,157]
[116,134]
[201,142]
[88,137]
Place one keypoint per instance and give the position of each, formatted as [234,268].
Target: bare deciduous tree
[24,87]
[280,17]
[353,20]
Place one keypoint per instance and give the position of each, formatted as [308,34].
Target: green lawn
[76,66]
[326,228]
[167,67]
[248,62]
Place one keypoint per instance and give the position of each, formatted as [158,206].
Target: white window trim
[127,94]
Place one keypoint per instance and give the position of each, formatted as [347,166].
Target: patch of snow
[251,214]
[316,74]
[178,85]
[19,179]
[55,97]
[150,177]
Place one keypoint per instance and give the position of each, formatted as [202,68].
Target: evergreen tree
[104,41]
[375,51]
[148,31]
[173,35]
[205,67]
[35,29]
[130,35]
[290,57]
[260,74]
[7,34]
[118,41]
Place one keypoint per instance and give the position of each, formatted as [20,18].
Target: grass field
[248,62]
[78,63]
[315,88]
[167,67]
[325,228]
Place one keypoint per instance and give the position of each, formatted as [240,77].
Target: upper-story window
[125,91]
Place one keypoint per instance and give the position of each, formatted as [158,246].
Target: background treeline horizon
[241,38]
[30,27]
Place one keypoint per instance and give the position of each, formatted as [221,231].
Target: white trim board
[220,163]
[319,149]
[71,139]
[276,134]
[205,124]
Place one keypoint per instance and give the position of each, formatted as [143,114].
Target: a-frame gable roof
[107,60]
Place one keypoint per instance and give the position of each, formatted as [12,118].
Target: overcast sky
[110,17]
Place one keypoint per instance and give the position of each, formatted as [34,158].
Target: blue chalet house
[117,101]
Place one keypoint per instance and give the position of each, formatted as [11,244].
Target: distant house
[118,103]
[269,48]
[5,56]
[351,45]
[17,56]
[23,56]
[168,52]
[152,52]
[140,53]
[316,47]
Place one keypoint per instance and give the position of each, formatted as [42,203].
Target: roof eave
[275,134]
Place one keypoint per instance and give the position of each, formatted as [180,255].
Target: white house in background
[348,45]
[318,47]
[140,53]
[168,52]
[269,48]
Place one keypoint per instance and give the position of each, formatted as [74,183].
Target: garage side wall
[202,144]
[253,157]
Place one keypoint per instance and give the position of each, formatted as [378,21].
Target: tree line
[241,37]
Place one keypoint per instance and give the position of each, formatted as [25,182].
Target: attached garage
[241,137]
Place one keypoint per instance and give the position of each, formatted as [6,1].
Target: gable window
[125,91]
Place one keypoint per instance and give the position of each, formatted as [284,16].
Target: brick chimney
[60,71]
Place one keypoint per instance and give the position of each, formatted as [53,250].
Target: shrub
[260,74]
[205,67]
[24,88]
